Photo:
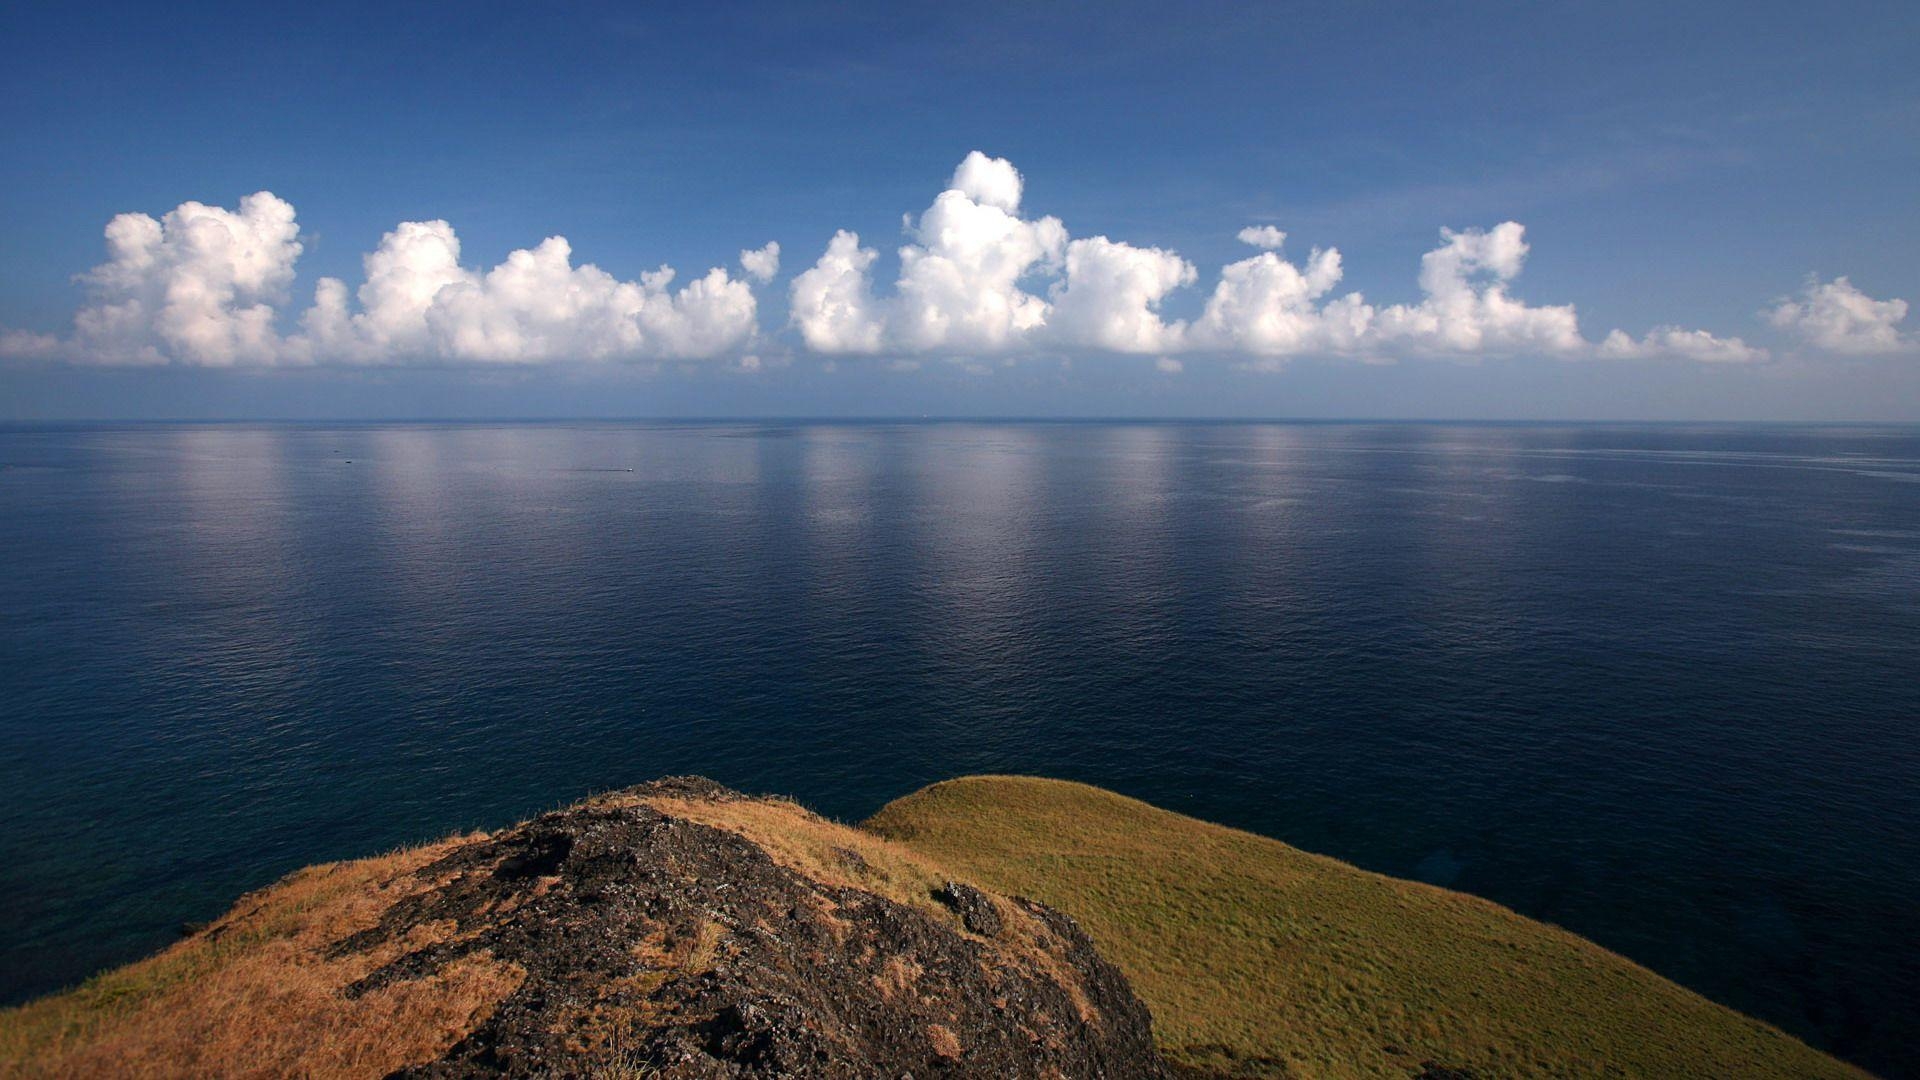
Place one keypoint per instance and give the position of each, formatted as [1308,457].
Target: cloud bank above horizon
[206,286]
[203,286]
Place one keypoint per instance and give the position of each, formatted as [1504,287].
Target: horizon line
[950,419]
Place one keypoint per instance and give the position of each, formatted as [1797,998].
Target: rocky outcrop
[654,944]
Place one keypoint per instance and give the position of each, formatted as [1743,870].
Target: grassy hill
[1259,959]
[611,937]
[672,931]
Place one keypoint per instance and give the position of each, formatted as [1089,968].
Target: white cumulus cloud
[1837,317]
[1467,309]
[198,285]
[761,263]
[1110,297]
[971,282]
[832,303]
[418,302]
[959,287]
[204,286]
[1267,307]
[989,181]
[977,275]
[1262,236]
[1672,341]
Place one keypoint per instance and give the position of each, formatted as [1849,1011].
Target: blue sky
[1706,169]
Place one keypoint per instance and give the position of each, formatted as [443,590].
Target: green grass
[1259,959]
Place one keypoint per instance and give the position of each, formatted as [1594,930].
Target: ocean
[1659,685]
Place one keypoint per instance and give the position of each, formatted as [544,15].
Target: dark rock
[658,946]
[542,857]
[976,911]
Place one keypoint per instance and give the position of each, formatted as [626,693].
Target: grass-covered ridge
[1259,959]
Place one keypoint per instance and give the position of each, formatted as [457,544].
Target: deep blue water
[1660,685]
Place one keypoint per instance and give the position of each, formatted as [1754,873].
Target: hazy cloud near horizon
[978,277]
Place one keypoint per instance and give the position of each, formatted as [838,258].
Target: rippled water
[1659,685]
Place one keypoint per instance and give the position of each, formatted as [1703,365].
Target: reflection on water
[1654,684]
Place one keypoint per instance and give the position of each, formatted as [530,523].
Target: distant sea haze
[1655,684]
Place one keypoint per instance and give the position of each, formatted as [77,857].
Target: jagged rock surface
[657,946]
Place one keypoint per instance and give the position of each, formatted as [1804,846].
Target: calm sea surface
[1660,685]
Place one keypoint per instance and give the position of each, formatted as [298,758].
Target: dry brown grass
[897,978]
[945,1042]
[255,995]
[808,844]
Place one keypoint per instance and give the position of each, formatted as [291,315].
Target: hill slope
[677,929]
[1259,959]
